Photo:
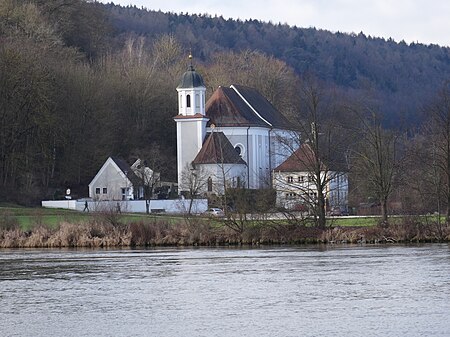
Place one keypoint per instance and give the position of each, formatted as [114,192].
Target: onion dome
[191,79]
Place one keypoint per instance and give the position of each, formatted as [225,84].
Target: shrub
[8,221]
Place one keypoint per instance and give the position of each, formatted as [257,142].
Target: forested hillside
[81,81]
[400,76]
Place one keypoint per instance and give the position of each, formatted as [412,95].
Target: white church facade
[235,139]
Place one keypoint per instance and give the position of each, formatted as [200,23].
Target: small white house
[116,180]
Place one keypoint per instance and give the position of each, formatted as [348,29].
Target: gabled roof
[127,170]
[304,160]
[217,149]
[262,106]
[243,106]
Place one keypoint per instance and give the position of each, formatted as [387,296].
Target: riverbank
[204,232]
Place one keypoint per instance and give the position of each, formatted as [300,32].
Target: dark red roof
[302,160]
[198,115]
[236,106]
[217,149]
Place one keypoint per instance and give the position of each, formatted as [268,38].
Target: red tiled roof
[189,117]
[217,149]
[225,108]
[302,160]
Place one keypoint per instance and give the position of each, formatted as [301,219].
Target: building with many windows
[296,187]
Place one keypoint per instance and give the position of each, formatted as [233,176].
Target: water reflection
[273,291]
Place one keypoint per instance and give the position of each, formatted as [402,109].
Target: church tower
[191,120]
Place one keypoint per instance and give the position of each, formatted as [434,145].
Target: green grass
[27,217]
[355,222]
[374,220]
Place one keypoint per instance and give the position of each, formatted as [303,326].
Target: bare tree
[193,181]
[376,158]
[273,78]
[323,136]
[438,131]
[150,165]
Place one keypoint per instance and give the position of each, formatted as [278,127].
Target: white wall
[67,204]
[176,206]
[190,136]
[336,190]
[217,172]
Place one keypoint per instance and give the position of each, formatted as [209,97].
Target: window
[181,101]
[239,148]
[290,195]
[188,101]
[97,190]
[105,190]
[301,179]
[197,100]
[209,184]
[290,179]
[310,178]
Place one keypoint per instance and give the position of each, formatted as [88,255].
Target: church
[235,139]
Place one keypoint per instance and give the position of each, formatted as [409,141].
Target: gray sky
[425,21]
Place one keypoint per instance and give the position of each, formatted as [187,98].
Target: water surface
[276,291]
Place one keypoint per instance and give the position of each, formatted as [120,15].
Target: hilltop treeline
[400,76]
[81,81]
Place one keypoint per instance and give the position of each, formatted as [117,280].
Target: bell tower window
[188,101]
[197,101]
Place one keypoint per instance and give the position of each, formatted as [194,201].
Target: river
[274,291]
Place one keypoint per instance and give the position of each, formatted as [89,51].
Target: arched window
[188,101]
[197,101]
[209,184]
[239,148]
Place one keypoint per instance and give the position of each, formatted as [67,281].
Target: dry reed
[200,232]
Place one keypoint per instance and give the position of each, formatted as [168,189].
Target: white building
[116,180]
[295,184]
[235,138]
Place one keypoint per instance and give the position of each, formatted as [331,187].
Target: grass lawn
[28,217]
[354,222]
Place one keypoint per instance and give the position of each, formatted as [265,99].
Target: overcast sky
[425,21]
